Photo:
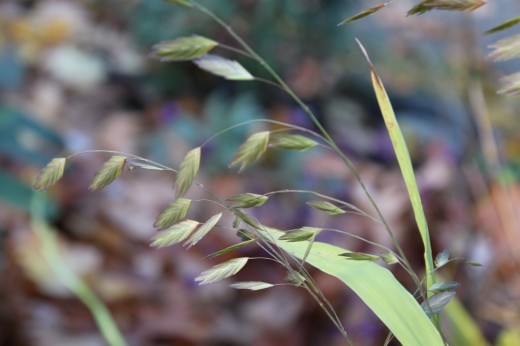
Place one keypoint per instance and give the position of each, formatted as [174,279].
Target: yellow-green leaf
[505,25]
[405,164]
[203,230]
[464,330]
[173,213]
[219,66]
[327,207]
[375,285]
[222,271]
[50,174]
[363,14]
[247,200]
[251,150]
[292,142]
[175,234]
[187,171]
[109,172]
[183,48]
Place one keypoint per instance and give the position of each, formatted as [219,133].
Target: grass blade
[405,164]
[375,285]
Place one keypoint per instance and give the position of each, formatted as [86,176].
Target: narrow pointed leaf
[247,200]
[203,230]
[437,302]
[375,285]
[292,142]
[173,213]
[228,69]
[505,25]
[184,3]
[175,234]
[442,258]
[363,14]
[405,164]
[231,248]
[359,256]
[187,171]
[50,174]
[183,48]
[444,286]
[251,150]
[300,234]
[327,207]
[389,258]
[109,172]
[222,271]
[251,285]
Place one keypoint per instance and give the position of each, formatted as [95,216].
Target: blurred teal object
[11,69]
[19,195]
[24,140]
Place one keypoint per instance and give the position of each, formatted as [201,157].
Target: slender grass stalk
[317,123]
[51,254]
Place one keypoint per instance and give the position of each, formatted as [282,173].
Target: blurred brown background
[75,76]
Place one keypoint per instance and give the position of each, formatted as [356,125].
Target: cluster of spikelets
[505,49]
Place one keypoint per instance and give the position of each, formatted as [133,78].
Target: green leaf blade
[173,213]
[50,174]
[405,164]
[183,48]
[109,172]
[188,170]
[203,230]
[251,150]
[175,234]
[376,286]
[222,271]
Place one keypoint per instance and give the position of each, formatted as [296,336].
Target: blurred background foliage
[75,76]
